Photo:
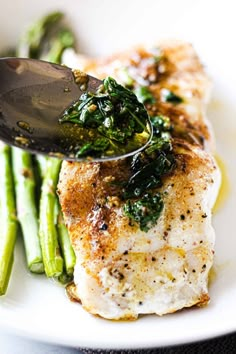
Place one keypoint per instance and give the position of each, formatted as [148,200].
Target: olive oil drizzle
[224,187]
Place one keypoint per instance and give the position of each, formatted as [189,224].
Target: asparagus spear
[66,248]
[8,229]
[26,208]
[42,165]
[57,44]
[46,39]
[31,42]
[52,259]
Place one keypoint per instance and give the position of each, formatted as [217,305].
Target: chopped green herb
[161,124]
[149,167]
[151,164]
[100,144]
[145,211]
[170,96]
[144,95]
[161,135]
[149,175]
[116,122]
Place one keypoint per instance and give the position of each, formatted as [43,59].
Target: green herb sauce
[144,204]
[144,95]
[171,97]
[112,121]
[145,211]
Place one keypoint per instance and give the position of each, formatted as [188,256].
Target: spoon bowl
[33,96]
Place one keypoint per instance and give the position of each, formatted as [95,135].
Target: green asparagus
[46,39]
[26,207]
[8,230]
[42,164]
[66,248]
[53,262]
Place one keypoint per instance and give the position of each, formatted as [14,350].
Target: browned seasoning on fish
[121,271]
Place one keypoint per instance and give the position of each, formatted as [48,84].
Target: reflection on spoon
[46,108]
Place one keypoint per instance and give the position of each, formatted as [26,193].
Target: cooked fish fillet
[121,271]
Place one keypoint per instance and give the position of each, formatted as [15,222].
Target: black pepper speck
[104,227]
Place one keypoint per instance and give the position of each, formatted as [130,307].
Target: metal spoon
[33,96]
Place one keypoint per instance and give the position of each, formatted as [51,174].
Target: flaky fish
[124,270]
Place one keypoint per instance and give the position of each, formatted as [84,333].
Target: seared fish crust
[121,271]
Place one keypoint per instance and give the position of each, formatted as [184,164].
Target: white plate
[38,308]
